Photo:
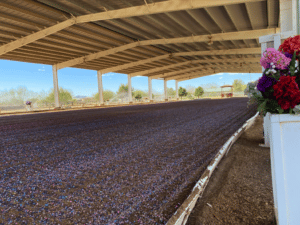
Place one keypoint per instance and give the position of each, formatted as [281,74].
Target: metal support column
[176,88]
[55,86]
[150,89]
[129,89]
[100,87]
[165,90]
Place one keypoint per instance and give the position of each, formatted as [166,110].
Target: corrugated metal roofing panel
[22,17]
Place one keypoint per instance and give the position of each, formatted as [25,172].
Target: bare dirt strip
[239,191]
[122,165]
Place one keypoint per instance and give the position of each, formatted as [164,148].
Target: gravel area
[122,165]
[240,189]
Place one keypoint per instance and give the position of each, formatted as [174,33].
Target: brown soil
[240,189]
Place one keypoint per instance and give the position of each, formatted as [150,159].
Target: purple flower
[265,82]
[288,55]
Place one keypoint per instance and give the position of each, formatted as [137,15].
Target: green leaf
[280,110]
[292,64]
[298,63]
[276,76]
[262,106]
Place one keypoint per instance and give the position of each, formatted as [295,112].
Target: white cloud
[218,74]
[220,77]
[43,69]
[107,75]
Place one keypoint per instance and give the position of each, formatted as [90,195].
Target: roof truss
[240,35]
[191,62]
[244,67]
[229,70]
[241,51]
[148,9]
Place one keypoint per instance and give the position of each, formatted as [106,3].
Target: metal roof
[171,39]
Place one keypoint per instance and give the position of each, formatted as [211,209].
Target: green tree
[182,92]
[199,91]
[64,96]
[124,89]
[18,96]
[140,92]
[238,85]
[107,95]
[138,96]
[171,92]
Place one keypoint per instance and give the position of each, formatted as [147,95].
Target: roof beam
[145,72]
[159,7]
[192,69]
[128,65]
[240,35]
[214,68]
[242,51]
[237,71]
[162,75]
[233,70]
[196,73]
[36,36]
[253,66]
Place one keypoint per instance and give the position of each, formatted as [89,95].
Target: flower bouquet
[277,91]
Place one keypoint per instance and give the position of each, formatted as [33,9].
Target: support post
[263,48]
[129,89]
[150,89]
[277,41]
[288,15]
[55,86]
[165,90]
[298,17]
[176,88]
[100,87]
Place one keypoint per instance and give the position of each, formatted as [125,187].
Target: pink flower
[279,60]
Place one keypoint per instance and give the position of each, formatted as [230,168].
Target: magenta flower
[277,58]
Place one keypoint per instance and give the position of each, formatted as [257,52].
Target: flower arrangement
[277,90]
[28,103]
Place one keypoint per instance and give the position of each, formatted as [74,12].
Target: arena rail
[181,216]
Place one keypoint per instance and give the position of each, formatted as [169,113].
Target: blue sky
[38,77]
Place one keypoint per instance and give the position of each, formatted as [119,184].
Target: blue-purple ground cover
[125,165]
